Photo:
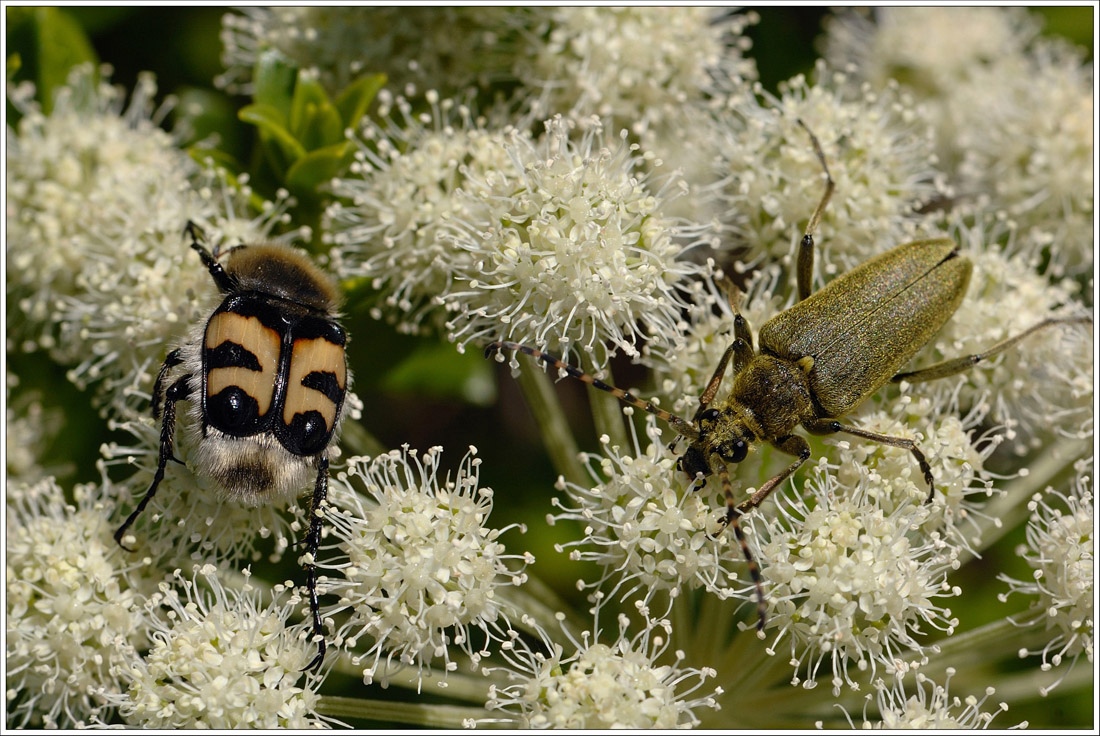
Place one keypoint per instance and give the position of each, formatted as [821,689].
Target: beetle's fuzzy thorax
[282,272]
[777,386]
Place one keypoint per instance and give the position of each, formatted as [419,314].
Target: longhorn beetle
[817,361]
[266,376]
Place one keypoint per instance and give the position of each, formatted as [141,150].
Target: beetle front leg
[832,426]
[792,444]
[947,368]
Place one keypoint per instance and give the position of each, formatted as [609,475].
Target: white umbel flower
[646,531]
[557,243]
[878,146]
[221,659]
[448,46]
[636,67]
[421,568]
[74,607]
[848,583]
[629,683]
[930,707]
[1061,552]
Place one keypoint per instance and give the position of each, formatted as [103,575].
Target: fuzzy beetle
[266,376]
[817,361]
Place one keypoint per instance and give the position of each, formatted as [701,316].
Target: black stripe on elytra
[326,383]
[285,316]
[313,328]
[231,355]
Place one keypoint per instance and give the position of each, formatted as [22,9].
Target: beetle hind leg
[312,544]
[952,367]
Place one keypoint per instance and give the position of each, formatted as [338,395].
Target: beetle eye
[736,452]
[709,415]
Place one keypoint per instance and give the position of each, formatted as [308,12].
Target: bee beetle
[266,376]
[818,361]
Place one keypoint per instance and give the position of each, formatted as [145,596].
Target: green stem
[607,412]
[408,712]
[1011,507]
[556,433]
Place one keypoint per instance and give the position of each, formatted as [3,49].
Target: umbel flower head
[878,145]
[849,583]
[634,67]
[932,708]
[648,535]
[1011,110]
[421,569]
[74,607]
[448,47]
[220,658]
[1060,550]
[630,683]
[557,243]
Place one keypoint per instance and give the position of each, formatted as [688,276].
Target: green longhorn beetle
[817,361]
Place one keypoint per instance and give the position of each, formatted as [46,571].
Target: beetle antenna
[732,520]
[680,425]
[805,269]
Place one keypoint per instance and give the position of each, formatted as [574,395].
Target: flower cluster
[1059,550]
[220,659]
[594,685]
[607,185]
[420,568]
[74,606]
[648,535]
[557,242]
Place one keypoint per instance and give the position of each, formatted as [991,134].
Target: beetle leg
[313,542]
[177,391]
[715,380]
[732,520]
[792,444]
[805,268]
[831,426]
[680,425]
[171,361]
[958,365]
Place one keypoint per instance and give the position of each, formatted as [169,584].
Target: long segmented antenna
[683,427]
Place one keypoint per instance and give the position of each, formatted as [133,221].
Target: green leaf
[309,96]
[324,127]
[273,82]
[353,101]
[438,370]
[213,158]
[49,43]
[208,114]
[281,147]
[318,167]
